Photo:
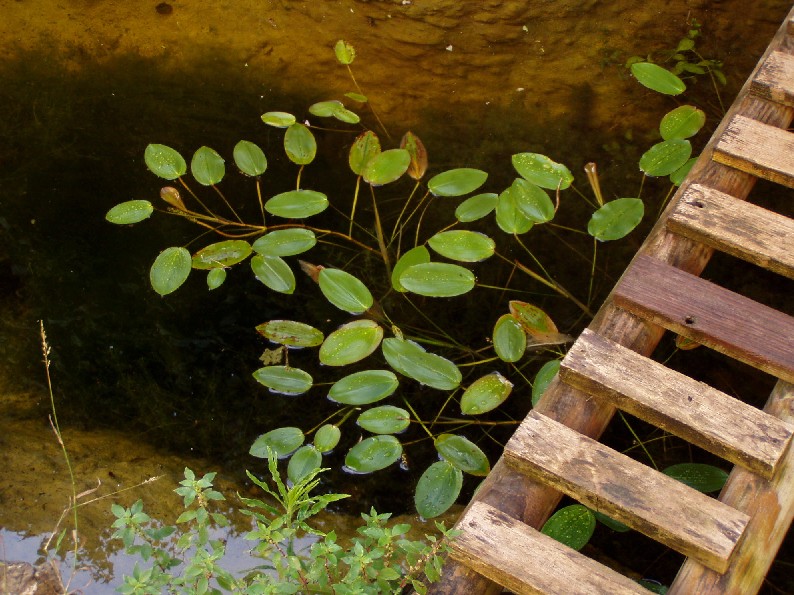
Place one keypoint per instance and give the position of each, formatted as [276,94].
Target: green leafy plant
[185,559]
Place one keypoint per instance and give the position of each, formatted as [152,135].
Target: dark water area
[88,84]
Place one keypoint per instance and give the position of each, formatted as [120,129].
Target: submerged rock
[22,578]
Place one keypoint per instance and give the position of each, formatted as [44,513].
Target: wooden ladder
[729,542]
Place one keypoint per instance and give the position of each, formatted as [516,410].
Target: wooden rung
[526,561]
[674,402]
[709,314]
[775,79]
[762,150]
[736,227]
[628,491]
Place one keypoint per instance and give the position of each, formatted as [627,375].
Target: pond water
[146,385]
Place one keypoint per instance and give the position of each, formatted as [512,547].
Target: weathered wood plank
[757,148]
[736,227]
[674,402]
[526,561]
[662,508]
[775,79]
[770,505]
[709,314]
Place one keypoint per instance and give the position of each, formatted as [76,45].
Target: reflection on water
[88,83]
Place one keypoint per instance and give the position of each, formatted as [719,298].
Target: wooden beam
[736,227]
[658,506]
[528,562]
[757,148]
[676,403]
[775,79]
[709,314]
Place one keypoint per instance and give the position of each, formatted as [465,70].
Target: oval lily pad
[665,157]
[463,245]
[297,204]
[215,278]
[463,454]
[282,441]
[345,291]
[164,162]
[285,242]
[677,177]
[207,166]
[345,52]
[221,254]
[373,454]
[532,201]
[476,207]
[278,119]
[532,319]
[284,379]
[131,211]
[437,279]
[509,338]
[657,78]
[327,437]
[363,388]
[543,378]
[682,122]
[438,488]
[386,167]
[509,217]
[249,158]
[704,478]
[418,255]
[299,144]
[410,359]
[290,333]
[385,419]
[170,270]
[572,525]
[305,460]
[485,394]
[364,148]
[274,273]
[351,343]
[616,219]
[542,171]
[456,182]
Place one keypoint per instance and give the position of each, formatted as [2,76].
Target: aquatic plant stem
[379,232]
[353,208]
[555,286]
[261,204]
[369,103]
[195,196]
[231,208]
[402,212]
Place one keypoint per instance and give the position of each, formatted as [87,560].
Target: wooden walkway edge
[732,541]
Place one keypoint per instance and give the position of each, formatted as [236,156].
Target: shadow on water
[175,373]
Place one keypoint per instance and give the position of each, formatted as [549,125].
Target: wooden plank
[674,402]
[662,508]
[757,148]
[736,227]
[770,505]
[775,79]
[709,314]
[526,561]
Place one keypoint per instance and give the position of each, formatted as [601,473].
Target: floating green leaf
[462,245]
[509,217]
[418,255]
[345,52]
[611,523]
[532,201]
[297,204]
[327,437]
[476,207]
[373,454]
[284,379]
[249,158]
[345,291]
[456,182]
[278,119]
[357,97]
[364,148]
[170,270]
[385,419]
[677,177]
[363,388]
[437,279]
[305,460]
[509,338]
[386,167]
[282,441]
[438,488]
[704,478]
[665,157]
[215,278]
[131,211]
[299,144]
[542,171]
[485,394]
[221,254]
[290,333]
[463,454]
[543,378]
[657,78]
[616,219]
[285,242]
[334,109]
[410,359]
[682,122]
[207,166]
[572,525]
[164,162]
[351,343]
[274,273]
